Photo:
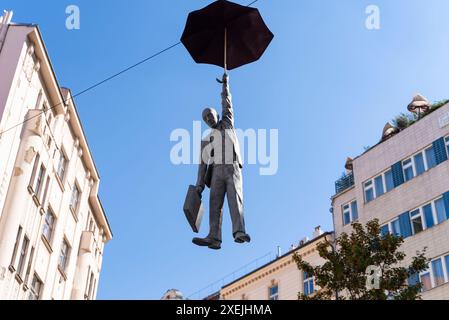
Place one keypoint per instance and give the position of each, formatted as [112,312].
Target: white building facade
[52,225]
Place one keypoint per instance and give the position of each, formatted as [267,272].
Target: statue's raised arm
[227,114]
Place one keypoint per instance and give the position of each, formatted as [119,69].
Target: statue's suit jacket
[226,124]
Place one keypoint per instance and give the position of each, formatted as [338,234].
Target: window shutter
[405,225]
[413,279]
[446,203]
[439,148]
[398,174]
[384,230]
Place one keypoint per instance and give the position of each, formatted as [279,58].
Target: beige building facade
[53,228]
[404,182]
[280,279]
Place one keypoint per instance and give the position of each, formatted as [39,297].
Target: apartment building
[404,182]
[53,228]
[279,279]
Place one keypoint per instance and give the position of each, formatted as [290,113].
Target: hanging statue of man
[221,169]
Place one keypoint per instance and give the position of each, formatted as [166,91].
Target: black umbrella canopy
[247,35]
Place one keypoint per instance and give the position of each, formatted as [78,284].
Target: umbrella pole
[226,50]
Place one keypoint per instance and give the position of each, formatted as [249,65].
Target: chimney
[279,253]
[5,20]
[318,232]
[303,241]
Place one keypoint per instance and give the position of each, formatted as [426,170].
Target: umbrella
[226,34]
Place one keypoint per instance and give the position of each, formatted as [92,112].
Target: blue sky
[326,83]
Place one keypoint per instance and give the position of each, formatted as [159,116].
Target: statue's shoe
[207,242]
[241,237]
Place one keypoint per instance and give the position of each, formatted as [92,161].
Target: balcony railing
[345,182]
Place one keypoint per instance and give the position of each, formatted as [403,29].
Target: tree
[344,273]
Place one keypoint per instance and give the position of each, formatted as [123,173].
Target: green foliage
[438,104]
[404,120]
[343,275]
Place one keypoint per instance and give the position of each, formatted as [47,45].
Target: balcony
[344,183]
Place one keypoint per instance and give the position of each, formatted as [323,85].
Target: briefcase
[193,208]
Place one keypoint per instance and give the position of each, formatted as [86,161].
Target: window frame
[273,296]
[350,211]
[373,185]
[52,229]
[421,215]
[307,279]
[421,275]
[426,161]
[78,198]
[446,144]
[23,253]
[390,227]
[33,292]
[40,180]
[62,156]
[411,165]
[16,248]
[434,284]
[433,207]
[65,242]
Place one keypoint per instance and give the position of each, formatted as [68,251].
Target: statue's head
[210,116]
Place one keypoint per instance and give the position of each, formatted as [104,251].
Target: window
[47,184]
[440,210]
[425,280]
[75,198]
[39,180]
[308,284]
[64,255]
[369,191]
[428,215]
[393,228]
[346,215]
[389,183]
[273,293]
[33,174]
[16,246]
[350,212]
[379,184]
[430,158]
[62,165]
[384,230]
[416,220]
[36,288]
[23,254]
[86,291]
[438,273]
[49,224]
[419,164]
[91,285]
[447,143]
[409,172]
[446,262]
[30,262]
